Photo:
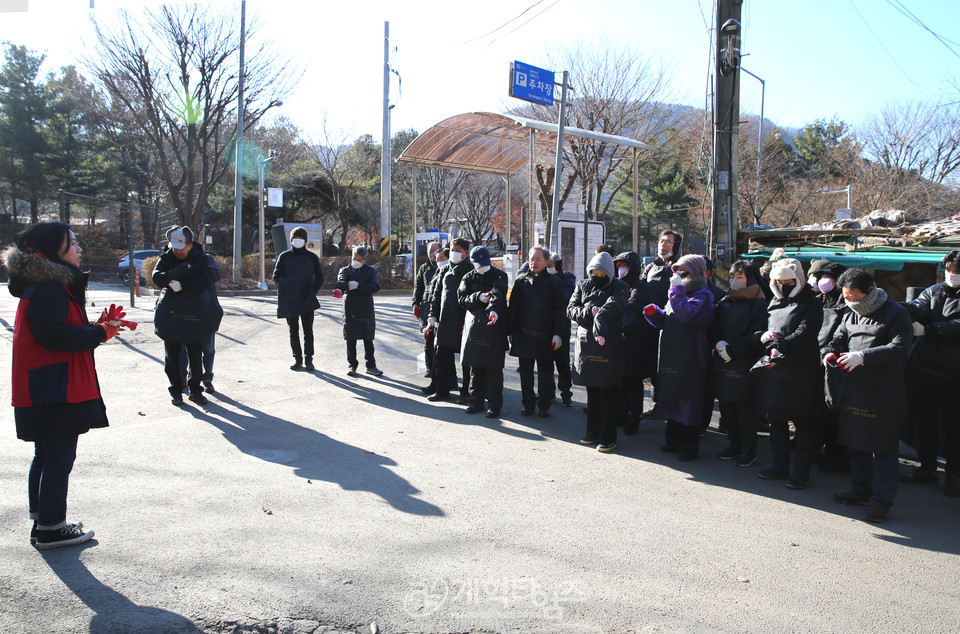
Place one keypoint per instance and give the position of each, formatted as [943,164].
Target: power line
[905,11]
[884,48]
[514,19]
[547,8]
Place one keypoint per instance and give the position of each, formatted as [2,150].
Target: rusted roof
[493,143]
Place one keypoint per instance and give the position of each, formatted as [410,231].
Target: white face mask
[298,243]
[951,279]
[483,269]
[552,271]
[456,257]
[356,264]
[433,256]
[737,285]
[812,280]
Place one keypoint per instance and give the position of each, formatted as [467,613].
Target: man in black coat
[421,303]
[537,322]
[298,276]
[209,348]
[932,372]
[184,314]
[483,295]
[359,281]
[446,315]
[657,275]
[561,357]
[868,353]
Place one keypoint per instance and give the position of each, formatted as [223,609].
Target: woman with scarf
[740,313]
[56,394]
[868,353]
[683,354]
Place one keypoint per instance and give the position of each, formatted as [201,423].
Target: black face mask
[597,281]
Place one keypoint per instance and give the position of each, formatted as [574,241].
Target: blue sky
[819,58]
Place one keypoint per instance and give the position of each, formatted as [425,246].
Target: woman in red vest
[56,395]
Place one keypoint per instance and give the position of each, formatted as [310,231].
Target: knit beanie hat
[604,263]
[695,265]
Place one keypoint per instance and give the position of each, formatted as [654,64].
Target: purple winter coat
[684,351]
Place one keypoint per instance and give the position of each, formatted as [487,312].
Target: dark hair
[604,248]
[445,251]
[748,268]
[677,241]
[709,263]
[856,278]
[951,258]
[44,237]
[557,261]
[463,243]
[47,238]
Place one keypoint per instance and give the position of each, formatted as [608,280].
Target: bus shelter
[489,143]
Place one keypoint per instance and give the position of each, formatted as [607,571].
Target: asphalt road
[303,502]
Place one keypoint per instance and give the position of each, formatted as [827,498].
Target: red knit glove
[649,309]
[109,331]
[337,293]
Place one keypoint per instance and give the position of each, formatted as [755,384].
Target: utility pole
[238,183]
[726,122]
[385,172]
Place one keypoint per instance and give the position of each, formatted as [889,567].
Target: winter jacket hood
[631,259]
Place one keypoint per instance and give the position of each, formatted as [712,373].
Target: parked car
[123,267]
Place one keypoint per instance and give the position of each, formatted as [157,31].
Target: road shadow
[313,455]
[113,612]
[370,389]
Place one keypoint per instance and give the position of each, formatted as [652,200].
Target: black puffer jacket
[444,304]
[421,290]
[638,333]
[359,316]
[735,320]
[872,407]
[188,315]
[795,381]
[599,366]
[537,314]
[484,344]
[298,276]
[937,353]
[833,310]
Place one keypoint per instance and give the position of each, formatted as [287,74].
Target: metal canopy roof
[494,143]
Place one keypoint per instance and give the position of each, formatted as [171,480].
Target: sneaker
[463,399]
[33,531]
[774,474]
[493,413]
[851,497]
[375,371]
[526,411]
[439,397]
[606,447]
[544,413]
[797,484]
[729,453]
[198,398]
[296,366]
[177,399]
[428,390]
[66,536]
[745,459]
[308,365]
[474,409]
[586,440]
[208,386]
[351,370]
[566,401]
[428,374]
[875,514]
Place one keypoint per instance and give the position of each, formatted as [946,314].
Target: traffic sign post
[531,83]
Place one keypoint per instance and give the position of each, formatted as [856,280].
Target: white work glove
[919,329]
[176,286]
[431,322]
[352,285]
[676,280]
[722,351]
[850,360]
[768,336]
[493,318]
[556,342]
[485,298]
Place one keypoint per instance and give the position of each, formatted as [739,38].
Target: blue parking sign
[531,83]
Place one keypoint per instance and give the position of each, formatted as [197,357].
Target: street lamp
[261,162]
[763,90]
[848,190]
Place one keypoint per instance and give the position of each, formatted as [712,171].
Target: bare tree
[477,202]
[175,71]
[617,91]
[914,137]
[437,190]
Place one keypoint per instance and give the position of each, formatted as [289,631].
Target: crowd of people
[825,353]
